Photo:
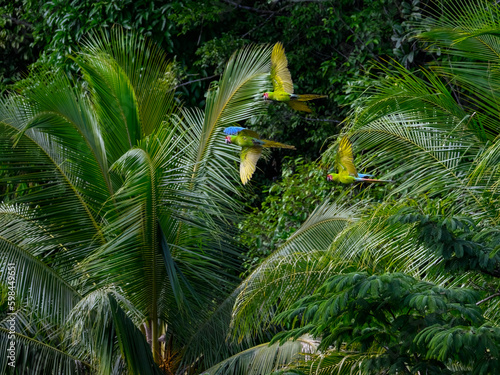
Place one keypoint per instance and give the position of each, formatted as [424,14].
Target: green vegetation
[287,205]
[394,322]
[135,246]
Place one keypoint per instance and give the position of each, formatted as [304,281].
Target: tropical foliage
[398,324]
[435,133]
[120,233]
[121,207]
[330,45]
[287,205]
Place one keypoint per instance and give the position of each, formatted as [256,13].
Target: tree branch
[488,298]
[248,8]
[16,21]
[319,119]
[196,80]
[265,21]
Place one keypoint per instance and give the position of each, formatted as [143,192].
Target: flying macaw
[282,83]
[251,148]
[344,163]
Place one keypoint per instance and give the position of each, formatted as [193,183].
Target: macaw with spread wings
[282,83]
[344,163]
[251,148]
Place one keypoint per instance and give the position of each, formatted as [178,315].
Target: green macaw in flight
[251,148]
[282,83]
[344,163]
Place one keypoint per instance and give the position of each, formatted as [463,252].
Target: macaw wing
[249,158]
[299,106]
[344,160]
[232,130]
[280,75]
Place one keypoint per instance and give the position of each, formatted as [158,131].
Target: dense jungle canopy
[129,244]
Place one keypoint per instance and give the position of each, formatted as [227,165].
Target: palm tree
[121,239]
[435,132]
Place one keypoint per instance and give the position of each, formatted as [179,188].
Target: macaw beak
[329,177]
[265,96]
[228,139]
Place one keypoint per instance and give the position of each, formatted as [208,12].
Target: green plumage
[283,85]
[251,149]
[344,164]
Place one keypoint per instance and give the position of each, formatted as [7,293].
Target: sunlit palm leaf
[297,267]
[68,177]
[264,358]
[336,362]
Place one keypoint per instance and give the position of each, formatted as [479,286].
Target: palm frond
[332,361]
[469,30]
[36,357]
[297,267]
[63,173]
[132,92]
[133,345]
[235,97]
[465,28]
[421,156]
[24,245]
[90,327]
[264,358]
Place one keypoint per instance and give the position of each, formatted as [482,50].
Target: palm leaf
[133,346]
[50,162]
[36,357]
[264,358]
[294,269]
[235,97]
[23,245]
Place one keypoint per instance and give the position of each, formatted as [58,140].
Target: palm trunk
[154,337]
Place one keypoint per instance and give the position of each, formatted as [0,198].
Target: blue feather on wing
[232,130]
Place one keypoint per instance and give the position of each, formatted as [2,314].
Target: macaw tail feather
[372,180]
[276,144]
[306,97]
[364,175]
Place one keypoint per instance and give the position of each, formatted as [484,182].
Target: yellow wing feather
[249,158]
[280,75]
[299,106]
[345,160]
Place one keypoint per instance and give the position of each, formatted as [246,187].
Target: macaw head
[228,139]
[333,177]
[265,96]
